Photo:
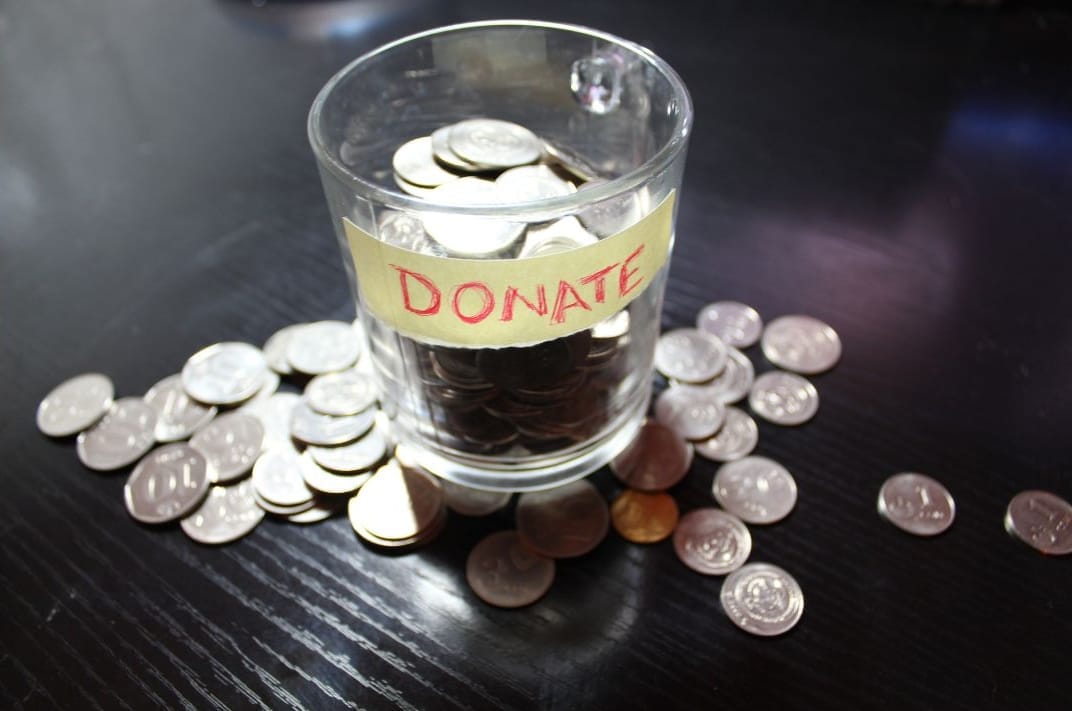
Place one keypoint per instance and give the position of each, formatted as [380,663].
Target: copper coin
[504,573]
[641,517]
[655,460]
[563,522]
[397,502]
[712,541]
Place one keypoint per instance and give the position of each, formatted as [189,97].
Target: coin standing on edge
[784,398]
[1042,520]
[170,482]
[712,541]
[75,405]
[641,517]
[120,438]
[504,573]
[755,489]
[224,373]
[762,599]
[227,514]
[917,504]
[655,460]
[564,522]
[801,344]
[737,324]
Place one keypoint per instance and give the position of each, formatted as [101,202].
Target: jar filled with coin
[504,194]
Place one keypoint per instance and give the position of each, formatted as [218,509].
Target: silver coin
[762,599]
[268,389]
[689,356]
[412,189]
[755,489]
[227,514]
[274,414]
[326,430]
[783,398]
[737,438]
[735,380]
[613,215]
[494,144]
[75,404]
[177,414]
[692,412]
[345,393]
[324,347]
[613,327]
[406,231]
[321,510]
[467,235]
[573,163]
[917,504]
[285,511]
[326,482]
[444,154]
[802,344]
[230,444]
[561,235]
[736,324]
[168,483]
[1042,520]
[224,373]
[415,163]
[527,183]
[275,349]
[357,456]
[467,501]
[120,438]
[279,479]
[712,542]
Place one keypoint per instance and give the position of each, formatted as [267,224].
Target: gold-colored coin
[641,517]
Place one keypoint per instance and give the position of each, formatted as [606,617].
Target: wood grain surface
[900,170]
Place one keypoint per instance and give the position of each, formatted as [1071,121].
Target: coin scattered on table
[75,405]
[231,444]
[643,517]
[170,482]
[324,430]
[734,382]
[467,501]
[737,438]
[802,344]
[275,349]
[564,522]
[1042,520]
[275,414]
[344,393]
[916,503]
[755,489]
[689,356]
[224,373]
[504,573]
[324,347]
[278,477]
[357,456]
[736,324]
[762,599]
[784,398]
[692,412]
[396,504]
[322,481]
[227,514]
[655,460]
[177,414]
[712,541]
[120,438]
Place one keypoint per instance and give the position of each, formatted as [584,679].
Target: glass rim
[516,211]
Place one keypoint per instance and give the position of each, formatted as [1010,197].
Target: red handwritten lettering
[561,305]
[485,294]
[512,294]
[624,287]
[434,297]
[600,279]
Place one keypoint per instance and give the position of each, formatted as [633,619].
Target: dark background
[901,170]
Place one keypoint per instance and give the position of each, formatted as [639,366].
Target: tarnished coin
[468,501]
[735,380]
[503,572]
[397,503]
[689,356]
[278,478]
[357,456]
[641,517]
[120,438]
[802,344]
[655,460]
[274,414]
[494,144]
[345,393]
[275,349]
[325,430]
[326,482]
[783,398]
[755,489]
[712,542]
[177,414]
[75,404]
[467,235]
[227,514]
[736,324]
[445,155]
[737,438]
[563,522]
[231,444]
[528,183]
[414,162]
[1042,520]
[224,373]
[917,504]
[692,412]
[170,482]
[324,347]
[762,599]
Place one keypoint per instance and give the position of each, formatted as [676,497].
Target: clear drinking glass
[488,387]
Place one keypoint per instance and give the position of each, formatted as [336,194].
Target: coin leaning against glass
[712,541]
[119,438]
[917,504]
[737,324]
[802,344]
[1042,520]
[167,484]
[75,405]
[783,398]
[762,599]
[493,143]
[755,489]
[224,373]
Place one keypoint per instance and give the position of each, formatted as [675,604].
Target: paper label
[508,302]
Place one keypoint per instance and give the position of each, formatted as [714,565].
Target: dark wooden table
[900,170]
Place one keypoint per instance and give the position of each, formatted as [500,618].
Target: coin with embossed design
[177,414]
[224,373]
[755,489]
[120,438]
[642,517]
[783,398]
[1042,520]
[503,572]
[735,380]
[492,143]
[802,344]
[689,355]
[916,503]
[762,599]
[170,482]
[278,478]
[414,161]
[737,438]
[563,522]
[692,412]
[231,443]
[324,347]
[325,430]
[737,324]
[712,541]
[227,514]
[344,393]
[75,404]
